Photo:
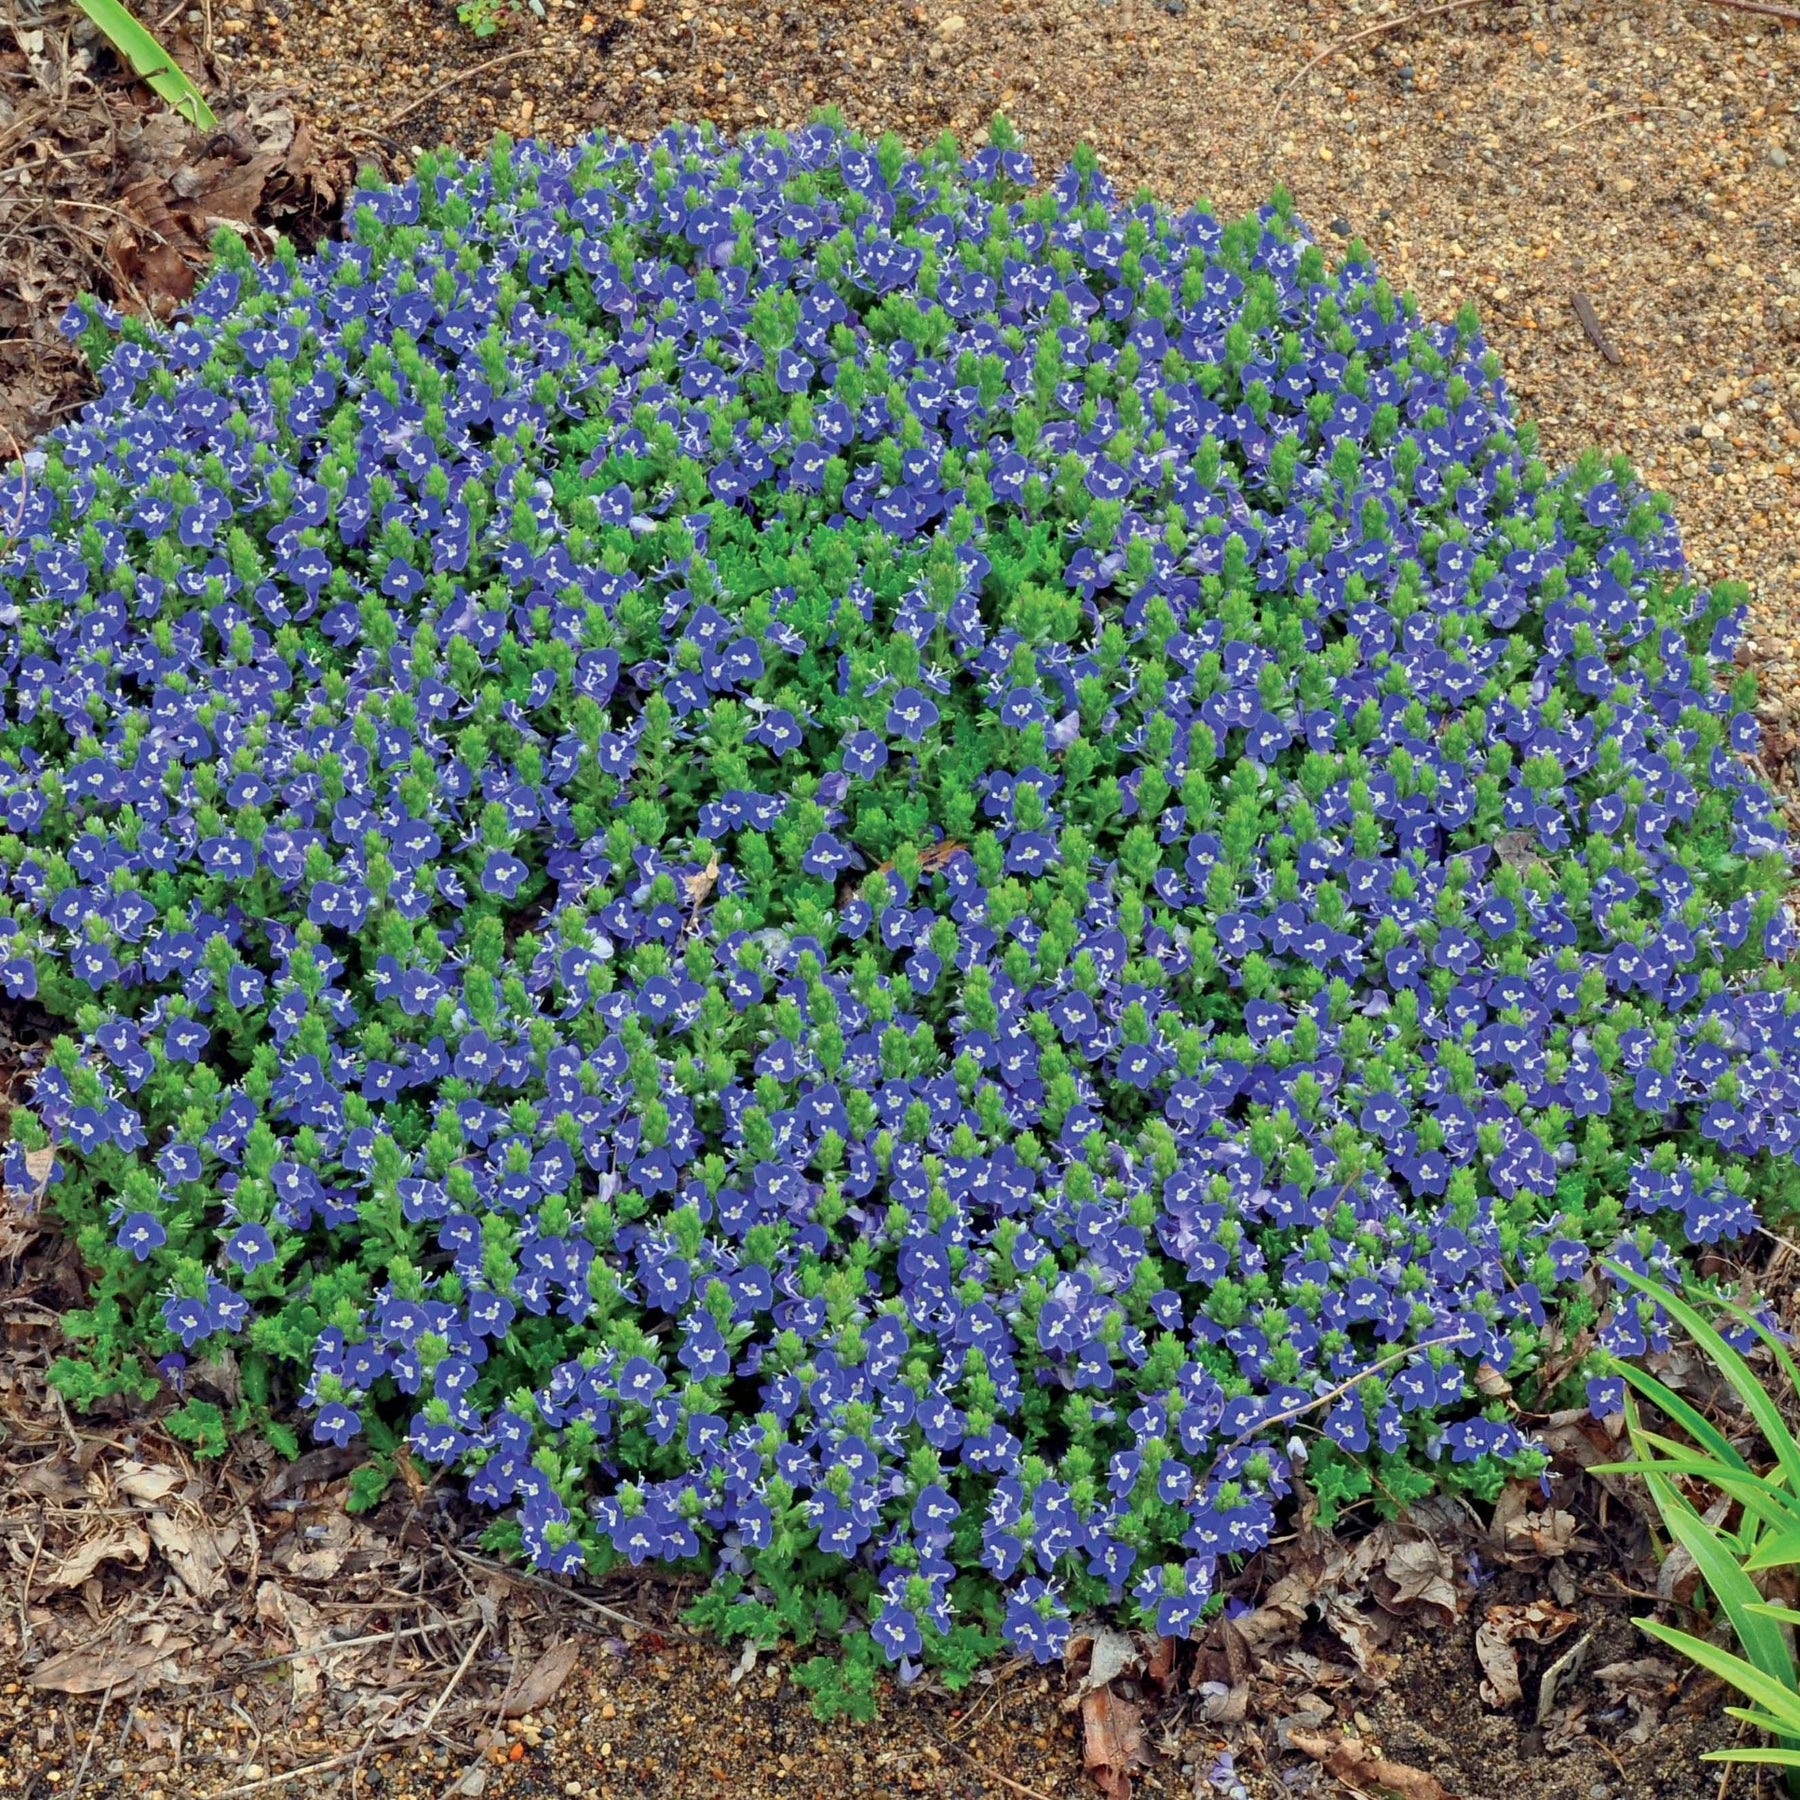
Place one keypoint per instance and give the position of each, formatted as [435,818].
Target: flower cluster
[829,865]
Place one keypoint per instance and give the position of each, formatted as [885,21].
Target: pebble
[1779,157]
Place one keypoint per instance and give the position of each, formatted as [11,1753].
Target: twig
[81,1773]
[299,1774]
[462,1668]
[355,1643]
[1386,25]
[1590,323]
[543,1581]
[1303,1407]
[456,80]
[1757,6]
[37,1550]
[1018,1787]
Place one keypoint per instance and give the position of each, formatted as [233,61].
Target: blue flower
[910,715]
[141,1233]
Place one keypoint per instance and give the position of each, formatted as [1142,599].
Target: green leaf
[1761,1638]
[1779,1702]
[1735,1370]
[368,1482]
[150,59]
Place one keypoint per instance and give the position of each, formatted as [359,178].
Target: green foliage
[1766,1535]
[139,48]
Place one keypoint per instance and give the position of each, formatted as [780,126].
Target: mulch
[105,190]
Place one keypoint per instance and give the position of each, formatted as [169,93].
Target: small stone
[1340,228]
[1324,153]
[1779,157]
[953,26]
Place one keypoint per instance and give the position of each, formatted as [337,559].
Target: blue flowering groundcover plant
[891,885]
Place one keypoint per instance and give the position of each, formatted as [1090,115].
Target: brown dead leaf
[301,1620]
[1490,1382]
[325,1464]
[539,1684]
[93,1668]
[127,1546]
[1537,1622]
[1353,1628]
[1222,1670]
[1110,1654]
[146,1483]
[1281,1614]
[1545,1535]
[55,1479]
[701,883]
[1112,1743]
[1423,1581]
[1646,1684]
[195,1551]
[1358,1765]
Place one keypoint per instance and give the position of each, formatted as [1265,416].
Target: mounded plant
[890,883]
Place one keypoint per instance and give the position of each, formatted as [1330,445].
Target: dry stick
[568,1593]
[462,1668]
[355,1643]
[299,1774]
[1369,31]
[1018,1787]
[81,1773]
[1760,7]
[430,94]
[1767,12]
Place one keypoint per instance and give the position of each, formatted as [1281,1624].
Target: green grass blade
[1781,1758]
[1770,1668]
[1769,1505]
[1779,1550]
[1786,1614]
[150,59]
[1729,1364]
[1778,1701]
[1695,1424]
[1776,1347]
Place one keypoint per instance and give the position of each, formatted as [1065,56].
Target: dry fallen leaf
[300,1620]
[1359,1766]
[1113,1743]
[146,1483]
[196,1553]
[127,1546]
[1523,1534]
[1538,1622]
[93,1668]
[701,883]
[56,1478]
[1423,1578]
[1110,1655]
[538,1685]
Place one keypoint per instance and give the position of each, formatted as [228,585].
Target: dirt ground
[167,1631]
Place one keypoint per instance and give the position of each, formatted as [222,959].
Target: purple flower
[910,715]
